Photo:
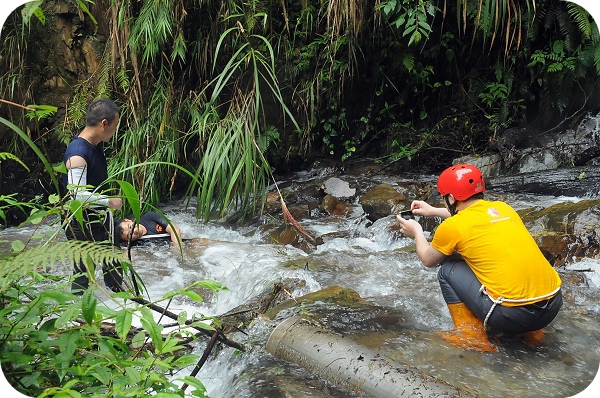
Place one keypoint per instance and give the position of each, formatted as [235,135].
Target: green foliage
[35,148]
[265,81]
[494,19]
[53,343]
[33,8]
[83,6]
[499,101]
[153,28]
[554,60]
[6,155]
[412,17]
[233,171]
[151,145]
[38,112]
[8,202]
[27,260]
[589,31]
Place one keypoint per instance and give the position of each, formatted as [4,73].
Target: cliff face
[51,61]
[64,55]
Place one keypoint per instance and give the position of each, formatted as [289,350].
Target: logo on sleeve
[159,228]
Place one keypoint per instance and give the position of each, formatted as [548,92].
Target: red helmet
[461,180]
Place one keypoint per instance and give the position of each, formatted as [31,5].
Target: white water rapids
[385,271]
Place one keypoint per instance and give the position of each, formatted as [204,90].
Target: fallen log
[348,364]
[577,181]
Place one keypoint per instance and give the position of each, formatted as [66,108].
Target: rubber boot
[469,332]
[533,338]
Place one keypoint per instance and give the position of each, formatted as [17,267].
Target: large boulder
[381,201]
[566,232]
[526,151]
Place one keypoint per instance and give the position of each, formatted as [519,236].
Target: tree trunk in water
[579,181]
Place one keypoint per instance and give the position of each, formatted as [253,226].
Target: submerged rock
[331,294]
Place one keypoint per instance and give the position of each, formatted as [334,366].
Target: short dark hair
[478,195]
[100,109]
[118,229]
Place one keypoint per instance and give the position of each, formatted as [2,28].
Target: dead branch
[287,217]
[220,335]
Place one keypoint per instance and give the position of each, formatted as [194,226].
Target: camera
[407,214]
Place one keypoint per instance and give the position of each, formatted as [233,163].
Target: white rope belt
[501,300]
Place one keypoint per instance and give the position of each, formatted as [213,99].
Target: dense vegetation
[214,86]
[54,343]
[217,94]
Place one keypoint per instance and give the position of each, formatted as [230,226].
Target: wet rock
[332,294]
[272,202]
[288,235]
[338,188]
[311,193]
[299,211]
[323,167]
[418,190]
[345,234]
[381,201]
[307,264]
[578,181]
[525,151]
[566,231]
[284,235]
[334,207]
[574,278]
[490,165]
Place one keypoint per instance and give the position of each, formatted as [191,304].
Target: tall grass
[156,138]
[209,84]
[220,131]
[233,169]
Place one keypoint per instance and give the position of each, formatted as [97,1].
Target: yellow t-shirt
[494,242]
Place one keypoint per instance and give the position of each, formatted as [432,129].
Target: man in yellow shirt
[502,281]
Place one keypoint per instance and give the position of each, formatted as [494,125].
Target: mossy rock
[332,294]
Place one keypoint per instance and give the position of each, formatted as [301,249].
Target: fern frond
[104,77]
[42,256]
[7,155]
[409,62]
[581,18]
[597,58]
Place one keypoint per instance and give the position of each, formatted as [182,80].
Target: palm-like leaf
[233,174]
[498,18]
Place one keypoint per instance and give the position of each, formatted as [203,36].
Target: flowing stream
[385,271]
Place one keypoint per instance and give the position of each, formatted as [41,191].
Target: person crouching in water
[503,281]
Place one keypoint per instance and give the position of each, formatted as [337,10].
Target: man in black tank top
[86,178]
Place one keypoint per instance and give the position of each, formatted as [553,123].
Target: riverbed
[405,307]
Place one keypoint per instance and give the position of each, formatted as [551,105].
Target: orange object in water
[469,332]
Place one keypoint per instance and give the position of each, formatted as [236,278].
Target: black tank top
[95,158]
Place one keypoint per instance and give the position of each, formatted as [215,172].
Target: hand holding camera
[406,214]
